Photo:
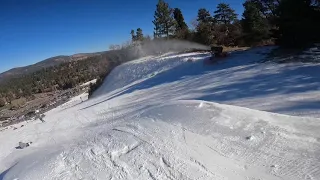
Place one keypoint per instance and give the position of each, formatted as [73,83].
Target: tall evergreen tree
[180,23]
[224,14]
[267,7]
[139,36]
[254,24]
[204,29]
[204,16]
[133,36]
[181,28]
[163,20]
[226,32]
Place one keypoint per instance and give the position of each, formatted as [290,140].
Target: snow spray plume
[156,47]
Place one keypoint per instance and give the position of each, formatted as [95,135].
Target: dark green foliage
[180,23]
[224,14]
[133,36]
[222,29]
[181,28]
[268,8]
[204,29]
[163,20]
[293,23]
[227,28]
[254,24]
[204,34]
[229,34]
[139,36]
[204,16]
[298,23]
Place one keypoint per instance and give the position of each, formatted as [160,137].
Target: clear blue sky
[33,30]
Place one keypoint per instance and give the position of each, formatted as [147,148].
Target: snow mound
[134,72]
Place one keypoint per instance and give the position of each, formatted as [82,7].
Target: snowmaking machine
[217,54]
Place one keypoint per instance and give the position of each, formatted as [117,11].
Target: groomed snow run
[171,118]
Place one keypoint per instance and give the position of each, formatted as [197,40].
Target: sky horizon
[35,30]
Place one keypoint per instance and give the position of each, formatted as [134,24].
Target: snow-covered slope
[164,118]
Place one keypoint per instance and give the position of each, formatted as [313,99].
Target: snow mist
[157,47]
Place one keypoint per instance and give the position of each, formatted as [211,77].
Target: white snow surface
[168,118]
[89,82]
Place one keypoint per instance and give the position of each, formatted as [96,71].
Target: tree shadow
[3,174]
[288,81]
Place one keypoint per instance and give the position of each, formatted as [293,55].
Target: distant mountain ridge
[53,61]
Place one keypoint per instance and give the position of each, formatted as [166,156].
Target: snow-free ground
[169,118]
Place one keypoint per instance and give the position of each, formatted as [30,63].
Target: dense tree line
[293,23]
[285,22]
[221,28]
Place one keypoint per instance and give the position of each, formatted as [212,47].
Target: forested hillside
[63,76]
[34,67]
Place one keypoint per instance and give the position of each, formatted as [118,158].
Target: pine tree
[139,36]
[181,28]
[224,14]
[180,23]
[254,24]
[225,29]
[163,20]
[204,16]
[204,29]
[267,7]
[133,36]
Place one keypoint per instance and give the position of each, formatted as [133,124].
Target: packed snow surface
[171,118]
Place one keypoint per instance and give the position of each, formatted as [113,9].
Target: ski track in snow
[164,118]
